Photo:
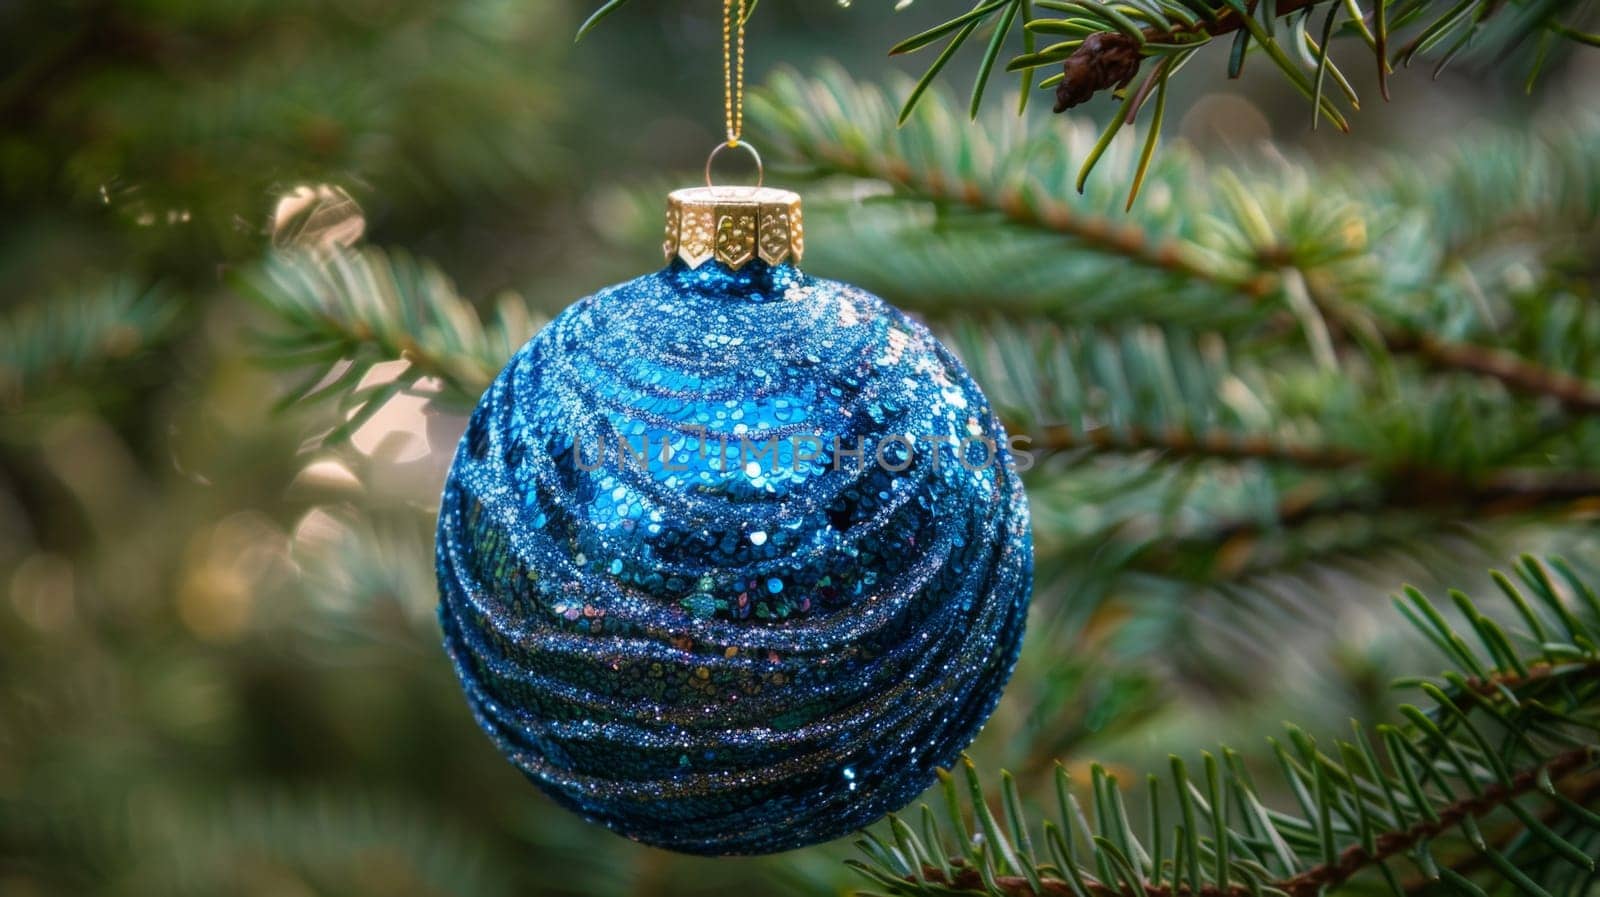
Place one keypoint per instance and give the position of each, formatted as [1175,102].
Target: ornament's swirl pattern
[755,638]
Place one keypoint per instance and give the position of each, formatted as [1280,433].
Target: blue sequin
[719,565]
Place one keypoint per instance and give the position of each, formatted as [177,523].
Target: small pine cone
[1104,59]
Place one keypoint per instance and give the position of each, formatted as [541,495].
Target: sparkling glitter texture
[680,601]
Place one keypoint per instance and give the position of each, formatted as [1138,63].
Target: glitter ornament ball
[731,558]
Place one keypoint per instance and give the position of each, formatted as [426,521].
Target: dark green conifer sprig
[1339,267]
[1134,48]
[1488,785]
[335,314]
[74,333]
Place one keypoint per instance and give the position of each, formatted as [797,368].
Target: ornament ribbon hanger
[734,13]
[738,223]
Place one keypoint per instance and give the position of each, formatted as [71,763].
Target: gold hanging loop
[761,171]
[733,15]
[734,225]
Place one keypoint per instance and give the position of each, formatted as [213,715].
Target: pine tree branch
[1105,42]
[1422,792]
[1584,791]
[340,312]
[1516,373]
[1099,63]
[1261,275]
[1116,236]
[936,164]
[1181,443]
[68,335]
[1494,687]
[1519,375]
[1403,489]
[1316,880]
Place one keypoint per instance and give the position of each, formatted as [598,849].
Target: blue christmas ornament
[731,557]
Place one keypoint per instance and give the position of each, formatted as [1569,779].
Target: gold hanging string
[734,13]
[733,16]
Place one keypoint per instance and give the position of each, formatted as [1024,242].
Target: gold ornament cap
[734,225]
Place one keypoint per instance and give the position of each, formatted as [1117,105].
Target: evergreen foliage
[1235,391]
[44,342]
[1261,398]
[1107,46]
[1486,786]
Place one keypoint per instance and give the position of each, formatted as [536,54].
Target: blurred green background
[219,668]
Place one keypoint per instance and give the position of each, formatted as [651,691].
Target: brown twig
[1516,373]
[1587,791]
[1183,443]
[1504,493]
[1041,213]
[1492,686]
